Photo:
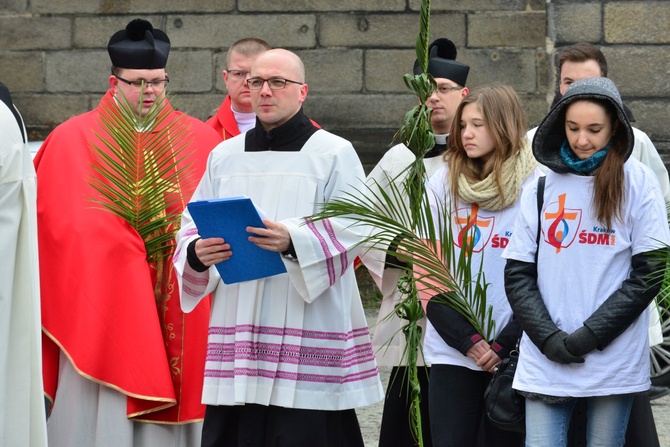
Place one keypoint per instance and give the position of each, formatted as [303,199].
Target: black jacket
[458,333]
[611,319]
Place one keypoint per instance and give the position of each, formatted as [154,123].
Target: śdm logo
[475,231]
[560,233]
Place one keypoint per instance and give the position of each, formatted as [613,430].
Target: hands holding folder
[243,246]
[273,237]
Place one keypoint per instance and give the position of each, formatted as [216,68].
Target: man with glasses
[289,356]
[120,370]
[235,114]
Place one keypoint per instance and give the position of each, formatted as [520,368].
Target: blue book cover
[228,218]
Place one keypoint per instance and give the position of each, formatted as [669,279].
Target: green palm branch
[427,246]
[661,276]
[140,168]
[403,225]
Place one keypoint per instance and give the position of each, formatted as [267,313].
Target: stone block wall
[635,38]
[53,56]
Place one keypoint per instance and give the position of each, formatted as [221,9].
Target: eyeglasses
[238,75]
[156,83]
[448,88]
[273,83]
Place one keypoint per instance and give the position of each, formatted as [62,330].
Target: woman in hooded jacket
[580,291]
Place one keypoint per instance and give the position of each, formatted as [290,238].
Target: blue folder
[228,218]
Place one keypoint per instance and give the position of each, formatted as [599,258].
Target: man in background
[235,115]
[585,60]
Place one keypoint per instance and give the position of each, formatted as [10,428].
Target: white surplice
[22,412]
[299,339]
[388,340]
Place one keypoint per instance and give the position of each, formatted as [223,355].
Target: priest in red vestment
[121,368]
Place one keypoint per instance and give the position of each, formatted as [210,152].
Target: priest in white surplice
[22,411]
[289,356]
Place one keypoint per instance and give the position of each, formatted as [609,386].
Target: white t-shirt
[580,264]
[492,230]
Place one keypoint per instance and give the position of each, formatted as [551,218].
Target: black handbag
[504,406]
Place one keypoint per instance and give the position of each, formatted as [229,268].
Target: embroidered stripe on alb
[296,377]
[288,332]
[290,354]
[327,224]
[324,246]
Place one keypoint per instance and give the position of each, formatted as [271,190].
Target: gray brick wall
[53,57]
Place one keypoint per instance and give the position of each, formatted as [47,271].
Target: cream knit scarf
[515,170]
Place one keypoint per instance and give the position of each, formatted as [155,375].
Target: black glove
[581,342]
[555,350]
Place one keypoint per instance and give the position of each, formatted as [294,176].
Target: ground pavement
[370,417]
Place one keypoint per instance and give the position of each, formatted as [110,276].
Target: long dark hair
[608,180]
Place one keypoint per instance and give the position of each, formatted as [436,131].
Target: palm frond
[398,211]
[427,246]
[423,36]
[661,277]
[140,167]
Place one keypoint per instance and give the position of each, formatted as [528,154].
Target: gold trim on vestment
[109,385]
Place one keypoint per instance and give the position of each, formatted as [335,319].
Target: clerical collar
[441,139]
[245,121]
[290,136]
[439,148]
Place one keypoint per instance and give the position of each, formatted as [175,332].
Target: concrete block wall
[53,56]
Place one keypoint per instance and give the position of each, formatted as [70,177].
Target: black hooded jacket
[623,306]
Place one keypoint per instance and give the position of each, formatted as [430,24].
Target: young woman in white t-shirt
[581,294]
[488,160]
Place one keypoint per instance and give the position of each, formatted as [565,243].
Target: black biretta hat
[442,64]
[139,46]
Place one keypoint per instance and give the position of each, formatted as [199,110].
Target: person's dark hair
[608,180]
[582,52]
[506,124]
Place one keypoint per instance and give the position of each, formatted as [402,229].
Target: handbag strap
[540,202]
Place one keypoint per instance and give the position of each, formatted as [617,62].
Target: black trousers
[456,406]
[269,426]
[395,429]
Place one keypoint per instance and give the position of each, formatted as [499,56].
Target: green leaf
[139,170]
